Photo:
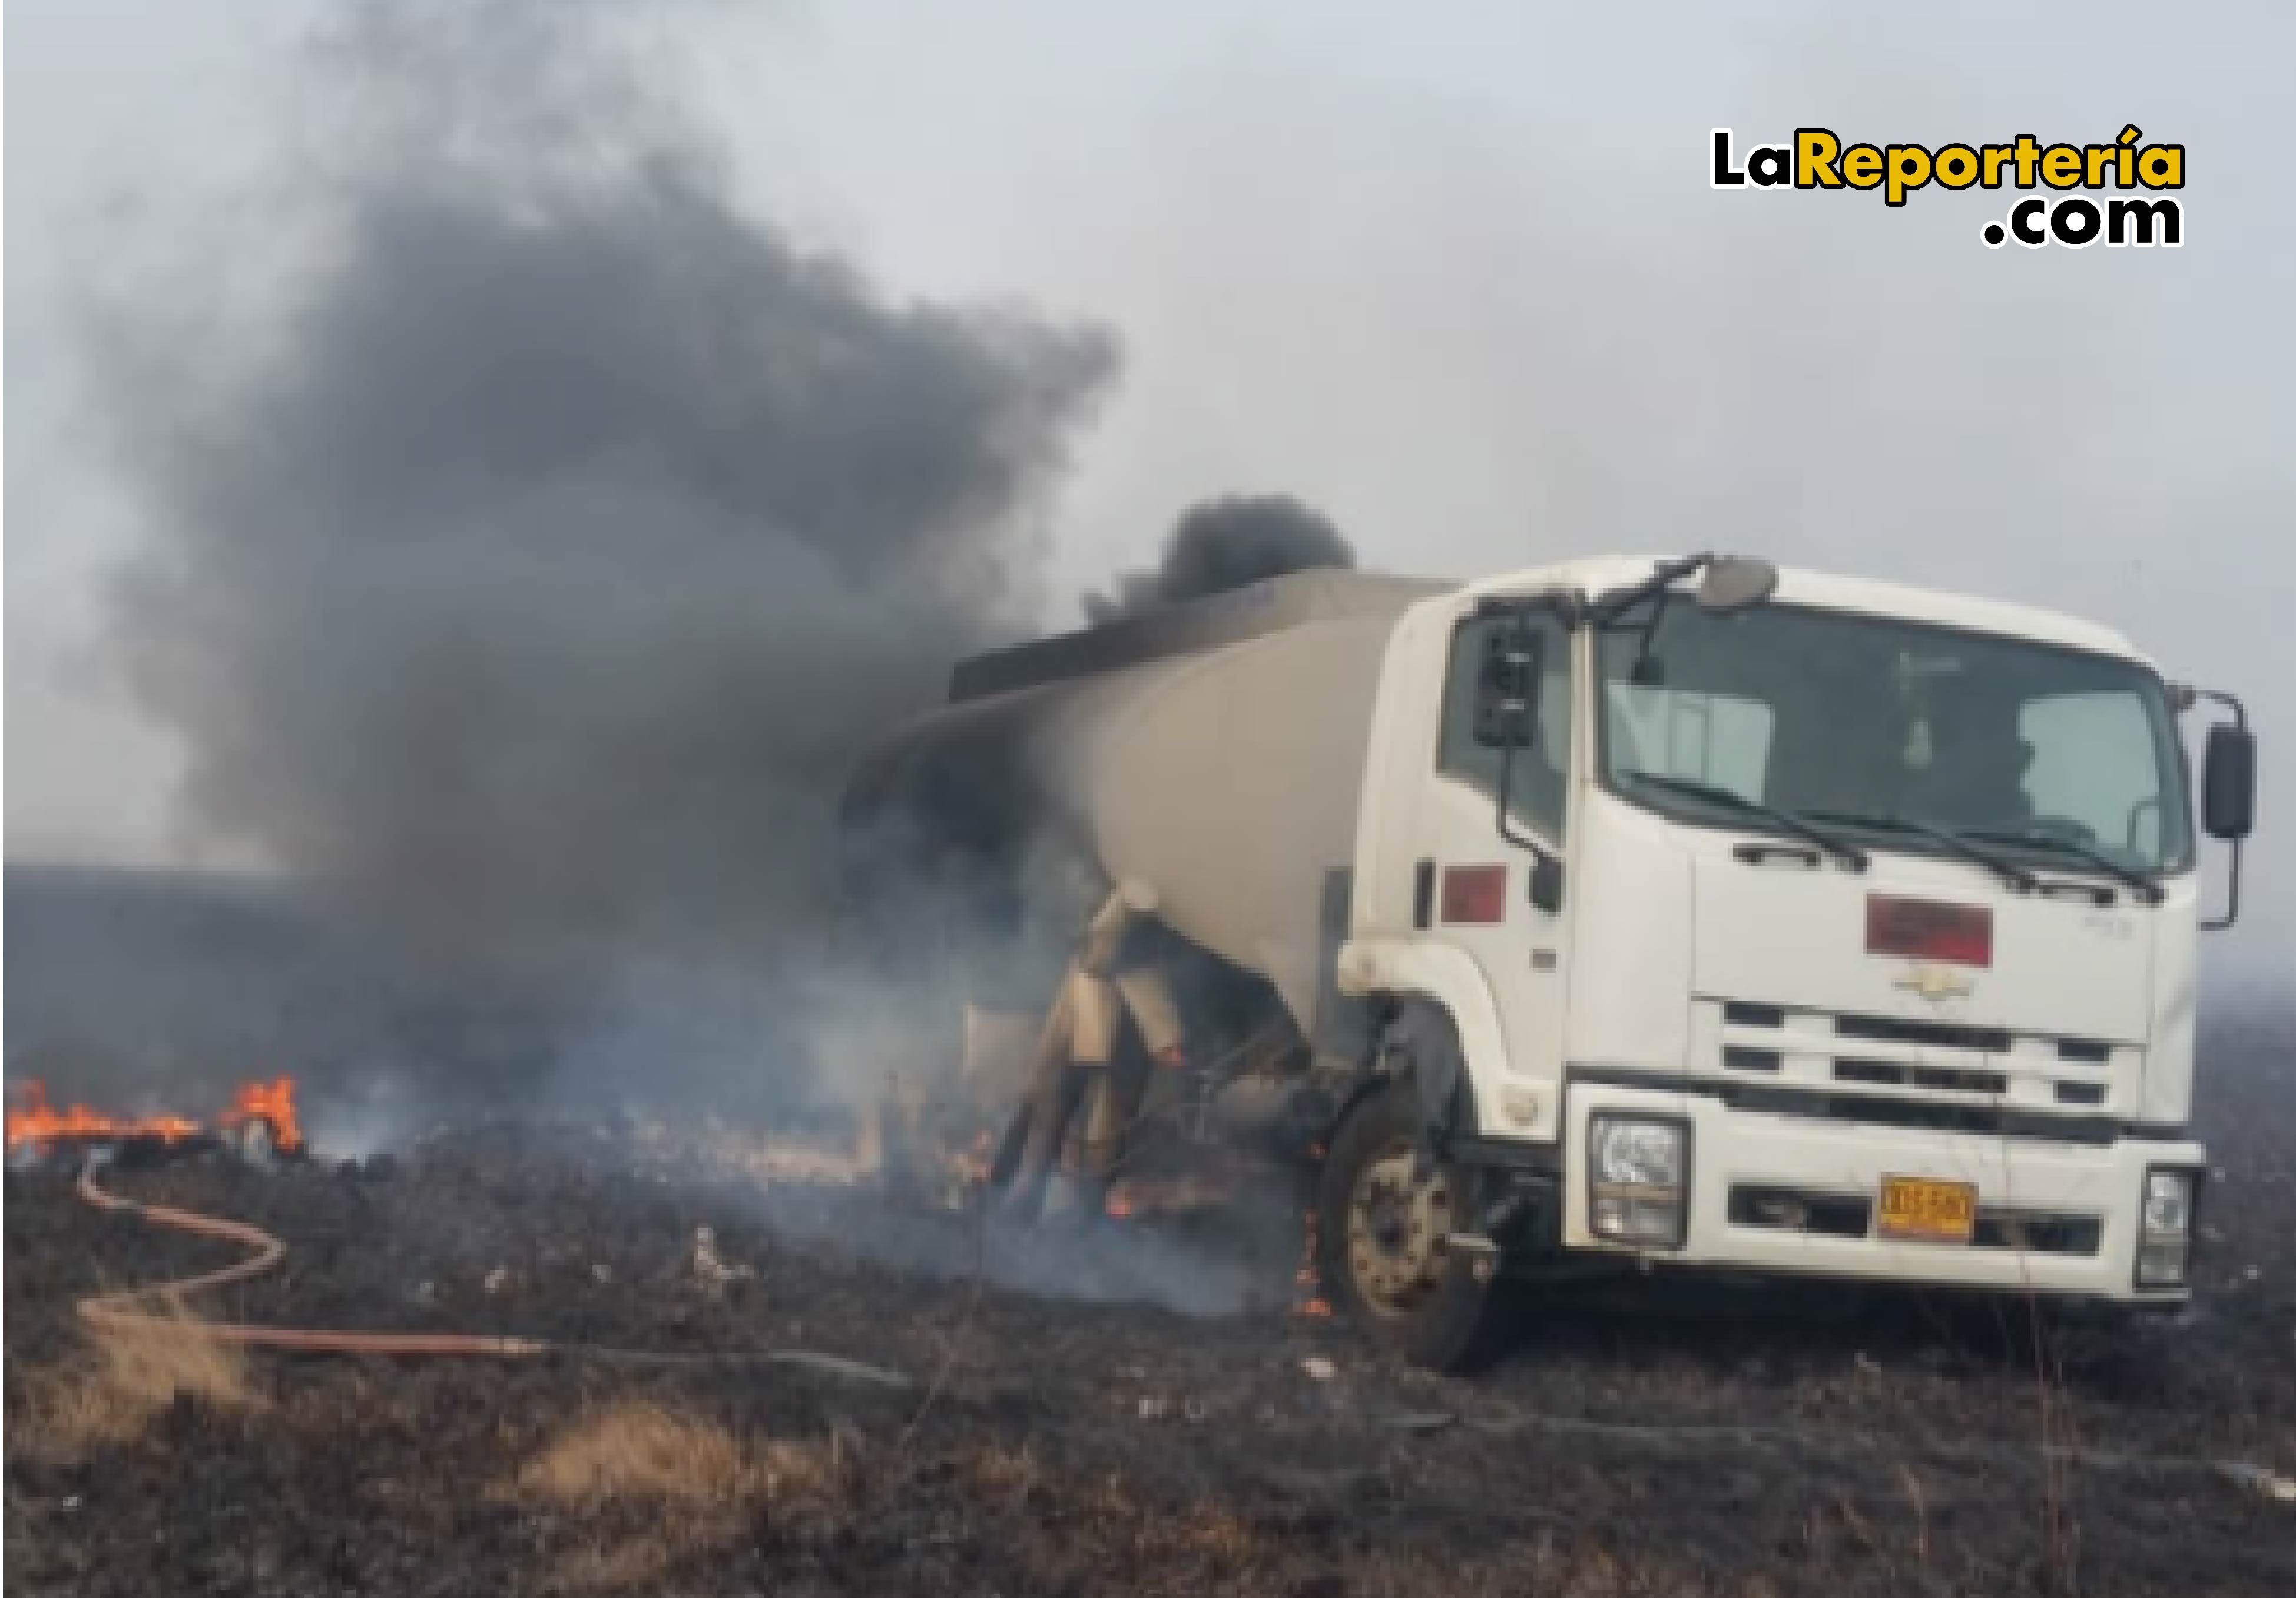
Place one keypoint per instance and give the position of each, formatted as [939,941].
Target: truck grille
[1977,1040]
[1886,1070]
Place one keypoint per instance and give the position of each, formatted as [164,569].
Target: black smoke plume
[526,573]
[1226,544]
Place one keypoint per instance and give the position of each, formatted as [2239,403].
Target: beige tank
[1212,751]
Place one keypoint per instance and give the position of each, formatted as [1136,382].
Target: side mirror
[2228,782]
[1507,690]
[1733,584]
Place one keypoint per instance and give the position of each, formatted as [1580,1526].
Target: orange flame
[973,1164]
[34,1120]
[1307,1279]
[273,1101]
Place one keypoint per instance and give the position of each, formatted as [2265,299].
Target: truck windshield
[2052,756]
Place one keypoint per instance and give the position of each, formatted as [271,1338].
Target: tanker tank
[1211,751]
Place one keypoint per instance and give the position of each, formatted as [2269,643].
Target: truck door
[1476,884]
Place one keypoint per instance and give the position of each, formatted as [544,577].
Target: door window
[1538,782]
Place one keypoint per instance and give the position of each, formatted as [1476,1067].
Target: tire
[1379,1249]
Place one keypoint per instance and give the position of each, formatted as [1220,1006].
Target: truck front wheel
[1383,1217]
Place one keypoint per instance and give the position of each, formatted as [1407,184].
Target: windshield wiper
[2136,881]
[2007,870]
[1848,855]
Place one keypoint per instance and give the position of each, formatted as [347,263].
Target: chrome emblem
[1936,983]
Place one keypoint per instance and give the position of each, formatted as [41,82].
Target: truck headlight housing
[1639,1179]
[2164,1237]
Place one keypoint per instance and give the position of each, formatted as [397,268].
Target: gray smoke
[528,572]
[1225,544]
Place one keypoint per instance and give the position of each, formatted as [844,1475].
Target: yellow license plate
[1932,1211]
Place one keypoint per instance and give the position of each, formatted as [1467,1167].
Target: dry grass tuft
[1213,1531]
[656,1485]
[127,1375]
[639,1451]
[994,1471]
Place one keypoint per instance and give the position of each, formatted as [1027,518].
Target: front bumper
[2055,1218]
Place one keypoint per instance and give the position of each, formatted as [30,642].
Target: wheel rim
[1395,1231]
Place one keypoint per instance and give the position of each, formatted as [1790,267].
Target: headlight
[1639,1190]
[1637,1153]
[2164,1242]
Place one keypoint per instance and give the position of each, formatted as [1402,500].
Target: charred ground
[1061,1444]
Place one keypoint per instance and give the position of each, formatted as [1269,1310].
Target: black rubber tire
[1455,1327]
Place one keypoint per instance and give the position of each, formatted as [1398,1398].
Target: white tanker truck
[1658,912]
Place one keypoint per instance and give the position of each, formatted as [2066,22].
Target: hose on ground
[162,1305]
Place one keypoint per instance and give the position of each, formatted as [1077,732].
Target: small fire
[1307,1281]
[1138,1197]
[273,1101]
[33,1120]
[36,1121]
[972,1166]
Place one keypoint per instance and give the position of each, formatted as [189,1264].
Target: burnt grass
[1701,1442]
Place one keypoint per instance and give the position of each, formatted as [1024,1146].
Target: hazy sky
[1453,275]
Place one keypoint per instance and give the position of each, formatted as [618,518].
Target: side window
[1705,737]
[1539,780]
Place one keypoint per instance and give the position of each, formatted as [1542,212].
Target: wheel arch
[1436,980]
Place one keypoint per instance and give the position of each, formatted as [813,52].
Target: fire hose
[127,1310]
[121,1312]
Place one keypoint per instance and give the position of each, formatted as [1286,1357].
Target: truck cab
[1773,922]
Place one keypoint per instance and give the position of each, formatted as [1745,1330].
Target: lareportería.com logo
[2134,182]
